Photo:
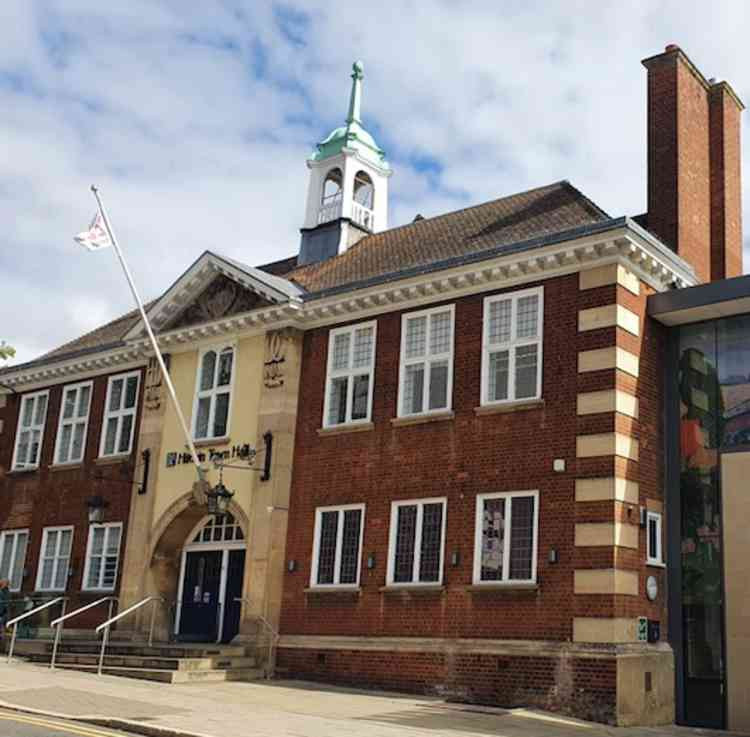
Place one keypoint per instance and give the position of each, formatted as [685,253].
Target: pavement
[16,724]
[276,709]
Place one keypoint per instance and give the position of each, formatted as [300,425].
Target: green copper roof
[352,135]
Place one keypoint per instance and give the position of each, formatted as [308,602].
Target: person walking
[4,606]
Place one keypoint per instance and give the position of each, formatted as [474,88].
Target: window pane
[64,453]
[110,572]
[201,422]
[23,448]
[41,409]
[95,572]
[113,541]
[498,376]
[440,333]
[77,452]
[61,575]
[47,567]
[493,539]
[126,430]
[28,412]
[361,394]
[221,413]
[527,318]
[6,559]
[341,351]
[438,395]
[51,544]
[225,368]
[363,345]
[109,438]
[208,367]
[36,439]
[521,537]
[499,317]
[115,395]
[653,549]
[97,540]
[16,575]
[413,388]
[432,525]
[733,365]
[406,530]
[526,371]
[84,394]
[416,337]
[131,391]
[337,401]
[66,536]
[69,404]
[350,546]
[327,550]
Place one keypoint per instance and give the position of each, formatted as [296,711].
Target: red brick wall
[582,687]
[457,458]
[726,184]
[50,497]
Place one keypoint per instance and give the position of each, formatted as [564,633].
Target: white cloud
[196,124]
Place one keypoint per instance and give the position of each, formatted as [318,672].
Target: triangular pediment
[215,287]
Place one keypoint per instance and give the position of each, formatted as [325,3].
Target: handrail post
[12,642]
[58,634]
[105,637]
[151,626]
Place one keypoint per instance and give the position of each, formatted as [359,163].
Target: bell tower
[347,193]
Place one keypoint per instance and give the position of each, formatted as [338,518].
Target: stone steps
[172,676]
[163,662]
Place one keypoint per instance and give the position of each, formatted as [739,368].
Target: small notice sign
[642,629]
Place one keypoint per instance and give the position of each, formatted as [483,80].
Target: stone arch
[169,537]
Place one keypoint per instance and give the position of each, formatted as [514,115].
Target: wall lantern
[96,505]
[218,499]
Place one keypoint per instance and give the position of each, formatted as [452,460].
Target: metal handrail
[58,623]
[23,616]
[106,625]
[273,640]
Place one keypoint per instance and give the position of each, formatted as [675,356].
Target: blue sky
[195,120]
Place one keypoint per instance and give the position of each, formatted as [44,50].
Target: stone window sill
[412,589]
[498,588]
[21,471]
[65,466]
[520,406]
[344,429]
[209,442]
[338,591]
[422,419]
[111,460]
[655,564]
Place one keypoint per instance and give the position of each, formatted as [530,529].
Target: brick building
[67,451]
[475,437]
[478,502]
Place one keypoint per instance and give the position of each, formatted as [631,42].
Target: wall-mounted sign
[642,629]
[244,452]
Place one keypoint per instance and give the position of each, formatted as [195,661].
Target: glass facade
[714,417]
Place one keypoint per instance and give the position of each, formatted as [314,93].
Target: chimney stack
[694,182]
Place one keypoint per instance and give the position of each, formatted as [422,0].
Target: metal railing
[58,623]
[272,641]
[27,614]
[106,625]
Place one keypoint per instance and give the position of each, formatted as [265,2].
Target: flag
[96,237]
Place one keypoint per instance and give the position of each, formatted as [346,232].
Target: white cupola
[347,195]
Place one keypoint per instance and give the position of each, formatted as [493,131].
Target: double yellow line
[83,729]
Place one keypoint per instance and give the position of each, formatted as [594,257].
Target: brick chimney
[694,184]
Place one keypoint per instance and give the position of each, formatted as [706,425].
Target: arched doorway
[211,573]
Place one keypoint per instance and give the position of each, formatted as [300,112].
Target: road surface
[17,724]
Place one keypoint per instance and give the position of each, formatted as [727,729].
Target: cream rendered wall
[243,424]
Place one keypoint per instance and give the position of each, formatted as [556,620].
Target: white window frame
[478,530]
[119,414]
[511,345]
[33,397]
[349,374]
[420,504]
[656,559]
[425,360]
[43,547]
[314,569]
[214,391]
[73,421]
[13,535]
[107,526]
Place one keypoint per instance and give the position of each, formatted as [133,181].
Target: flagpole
[159,358]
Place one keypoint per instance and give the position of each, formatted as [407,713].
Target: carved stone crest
[154,384]
[273,366]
